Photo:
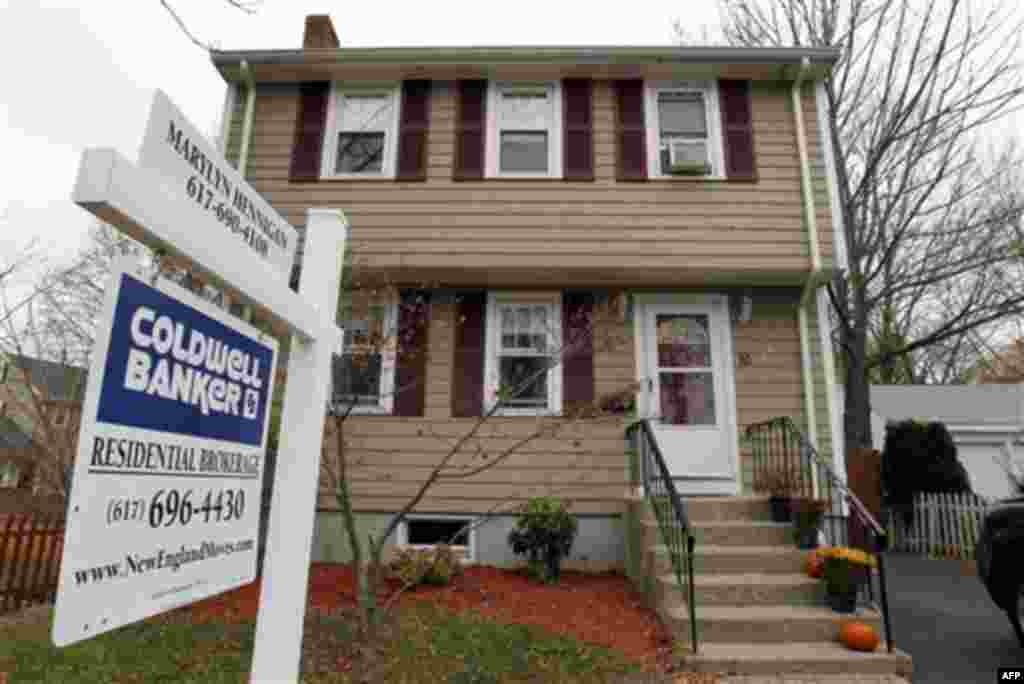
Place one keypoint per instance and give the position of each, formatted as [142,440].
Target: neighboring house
[40,406]
[15,445]
[985,421]
[527,184]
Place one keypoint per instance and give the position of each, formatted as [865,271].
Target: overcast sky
[81,74]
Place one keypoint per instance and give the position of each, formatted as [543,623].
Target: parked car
[999,559]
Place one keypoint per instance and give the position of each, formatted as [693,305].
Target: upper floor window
[524,131]
[524,336]
[361,139]
[683,129]
[363,372]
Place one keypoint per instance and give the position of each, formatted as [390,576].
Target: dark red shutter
[468,366]
[578,358]
[412,131]
[309,131]
[411,365]
[737,129]
[578,148]
[470,131]
[629,131]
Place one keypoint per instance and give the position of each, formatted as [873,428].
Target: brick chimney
[319,33]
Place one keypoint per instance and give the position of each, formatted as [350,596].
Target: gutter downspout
[243,151]
[832,395]
[226,114]
[230,94]
[250,107]
[810,220]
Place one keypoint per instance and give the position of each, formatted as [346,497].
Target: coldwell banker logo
[161,362]
[172,368]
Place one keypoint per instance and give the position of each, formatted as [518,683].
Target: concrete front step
[778,624]
[713,559]
[808,658]
[746,589]
[720,509]
[733,533]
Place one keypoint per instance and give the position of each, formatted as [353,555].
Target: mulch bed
[595,608]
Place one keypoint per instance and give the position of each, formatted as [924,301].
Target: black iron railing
[780,450]
[651,473]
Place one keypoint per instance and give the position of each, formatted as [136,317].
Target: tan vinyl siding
[679,232]
[586,463]
[768,380]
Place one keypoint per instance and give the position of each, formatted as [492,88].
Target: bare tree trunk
[932,226]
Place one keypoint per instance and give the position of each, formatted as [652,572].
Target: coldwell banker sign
[165,505]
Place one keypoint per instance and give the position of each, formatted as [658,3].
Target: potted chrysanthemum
[845,571]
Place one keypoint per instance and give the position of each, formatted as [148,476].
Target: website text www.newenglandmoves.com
[135,564]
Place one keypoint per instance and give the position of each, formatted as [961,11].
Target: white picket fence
[945,526]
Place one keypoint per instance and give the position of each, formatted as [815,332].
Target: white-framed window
[421,531]
[524,130]
[363,370]
[684,130]
[361,135]
[524,334]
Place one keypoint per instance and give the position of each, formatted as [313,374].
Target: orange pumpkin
[815,565]
[858,636]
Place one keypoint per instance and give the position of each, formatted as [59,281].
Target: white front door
[685,361]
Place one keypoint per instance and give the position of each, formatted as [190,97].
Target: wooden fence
[30,549]
[944,526]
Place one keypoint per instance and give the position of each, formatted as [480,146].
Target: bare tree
[932,228]
[70,297]
[246,6]
[461,457]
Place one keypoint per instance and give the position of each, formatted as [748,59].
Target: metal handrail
[779,444]
[673,522]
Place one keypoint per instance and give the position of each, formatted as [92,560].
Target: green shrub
[544,533]
[436,566]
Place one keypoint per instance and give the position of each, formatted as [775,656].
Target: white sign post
[244,248]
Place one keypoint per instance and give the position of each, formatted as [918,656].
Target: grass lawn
[151,651]
[427,643]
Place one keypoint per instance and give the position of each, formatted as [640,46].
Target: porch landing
[758,614]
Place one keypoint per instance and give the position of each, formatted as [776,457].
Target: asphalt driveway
[944,618]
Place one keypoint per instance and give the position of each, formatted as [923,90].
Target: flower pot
[806,538]
[780,509]
[842,602]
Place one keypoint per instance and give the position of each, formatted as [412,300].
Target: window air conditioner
[688,157]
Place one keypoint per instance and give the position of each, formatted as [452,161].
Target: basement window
[422,532]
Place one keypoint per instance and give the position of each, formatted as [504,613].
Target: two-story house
[525,185]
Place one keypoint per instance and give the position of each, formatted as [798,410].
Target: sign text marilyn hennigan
[165,500]
[180,154]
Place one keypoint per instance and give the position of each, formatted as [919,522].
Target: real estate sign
[180,154]
[165,500]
